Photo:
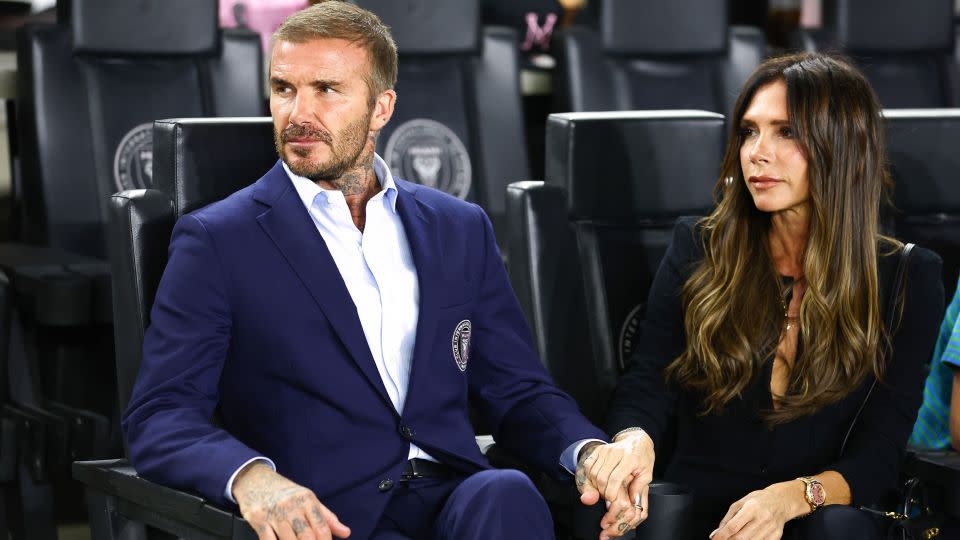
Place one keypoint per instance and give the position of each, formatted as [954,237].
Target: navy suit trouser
[499,503]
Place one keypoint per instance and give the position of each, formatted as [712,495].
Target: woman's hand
[620,473]
[761,515]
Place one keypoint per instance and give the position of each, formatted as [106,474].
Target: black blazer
[723,456]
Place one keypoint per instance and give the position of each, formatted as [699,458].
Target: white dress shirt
[377,268]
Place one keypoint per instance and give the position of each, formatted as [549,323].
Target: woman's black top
[725,455]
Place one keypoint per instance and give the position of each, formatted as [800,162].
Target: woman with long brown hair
[765,327]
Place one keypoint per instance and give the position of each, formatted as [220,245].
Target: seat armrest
[42,439]
[175,512]
[55,287]
[939,469]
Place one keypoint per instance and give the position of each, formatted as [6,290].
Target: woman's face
[773,165]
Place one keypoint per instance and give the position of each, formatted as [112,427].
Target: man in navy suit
[338,319]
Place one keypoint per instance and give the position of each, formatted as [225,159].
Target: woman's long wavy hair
[733,315]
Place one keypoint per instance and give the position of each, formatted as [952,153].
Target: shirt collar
[308,190]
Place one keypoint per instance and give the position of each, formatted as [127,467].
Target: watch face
[817,494]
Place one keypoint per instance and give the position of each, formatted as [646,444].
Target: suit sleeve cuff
[228,492]
[568,459]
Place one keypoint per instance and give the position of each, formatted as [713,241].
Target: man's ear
[382,109]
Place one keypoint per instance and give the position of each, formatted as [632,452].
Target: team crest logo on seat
[461,344]
[429,153]
[133,161]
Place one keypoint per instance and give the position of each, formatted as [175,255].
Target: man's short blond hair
[335,19]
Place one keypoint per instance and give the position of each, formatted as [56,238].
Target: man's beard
[345,150]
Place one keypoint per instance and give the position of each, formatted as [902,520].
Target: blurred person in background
[536,21]
[938,422]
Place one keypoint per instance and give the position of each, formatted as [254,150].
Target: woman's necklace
[789,322]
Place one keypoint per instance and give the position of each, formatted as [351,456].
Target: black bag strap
[895,288]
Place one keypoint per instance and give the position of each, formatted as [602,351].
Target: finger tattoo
[317,515]
[581,477]
[298,526]
[622,527]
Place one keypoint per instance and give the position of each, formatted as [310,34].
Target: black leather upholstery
[458,123]
[141,221]
[628,27]
[906,50]
[198,161]
[430,26]
[149,27]
[890,25]
[88,92]
[656,55]
[84,119]
[202,160]
[924,163]
[589,239]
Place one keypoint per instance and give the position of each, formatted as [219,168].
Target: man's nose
[303,111]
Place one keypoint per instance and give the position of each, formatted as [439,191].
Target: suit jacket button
[385,485]
[406,431]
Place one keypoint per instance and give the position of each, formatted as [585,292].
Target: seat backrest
[924,163]
[196,162]
[89,91]
[588,240]
[656,54]
[458,124]
[906,49]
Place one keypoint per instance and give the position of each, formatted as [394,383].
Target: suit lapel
[290,227]
[419,222]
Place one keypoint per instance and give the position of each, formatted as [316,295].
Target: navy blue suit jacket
[253,321]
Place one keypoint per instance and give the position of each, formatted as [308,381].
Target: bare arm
[763,514]
[955,411]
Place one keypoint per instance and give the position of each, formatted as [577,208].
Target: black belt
[423,468]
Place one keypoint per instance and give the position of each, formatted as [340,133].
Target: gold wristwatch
[813,492]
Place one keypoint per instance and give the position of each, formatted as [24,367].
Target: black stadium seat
[198,161]
[588,240]
[906,49]
[924,164]
[89,88]
[922,146]
[656,54]
[458,124]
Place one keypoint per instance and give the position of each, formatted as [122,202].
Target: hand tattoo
[298,526]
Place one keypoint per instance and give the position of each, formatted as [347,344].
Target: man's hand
[620,473]
[279,509]
[762,514]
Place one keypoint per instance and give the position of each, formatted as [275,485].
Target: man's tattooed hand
[274,506]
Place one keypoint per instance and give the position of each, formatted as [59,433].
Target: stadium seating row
[583,247]
[90,90]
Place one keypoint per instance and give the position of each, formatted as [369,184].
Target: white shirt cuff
[228,492]
[568,459]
